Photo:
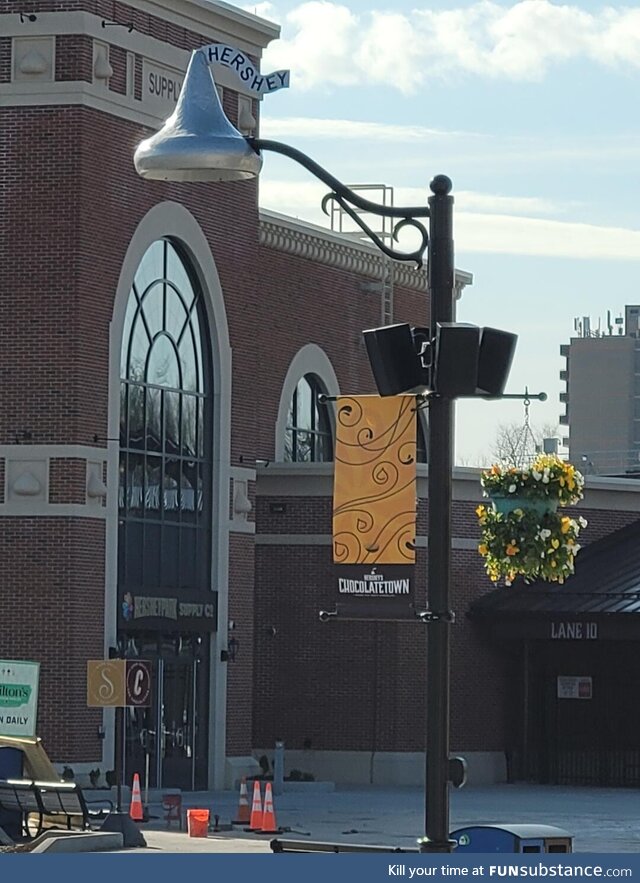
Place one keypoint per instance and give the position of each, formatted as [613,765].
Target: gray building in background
[602,396]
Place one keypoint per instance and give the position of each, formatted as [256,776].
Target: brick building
[166,465]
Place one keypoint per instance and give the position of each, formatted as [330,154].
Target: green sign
[13,695]
[18,697]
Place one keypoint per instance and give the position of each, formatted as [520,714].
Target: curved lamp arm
[346,199]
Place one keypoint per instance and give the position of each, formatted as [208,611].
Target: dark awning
[605,591]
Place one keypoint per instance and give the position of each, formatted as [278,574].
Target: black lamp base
[122,823]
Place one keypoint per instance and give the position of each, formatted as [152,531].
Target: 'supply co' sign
[18,697]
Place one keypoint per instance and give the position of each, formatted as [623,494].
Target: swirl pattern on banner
[374,496]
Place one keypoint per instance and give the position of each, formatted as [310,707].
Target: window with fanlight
[308,437]
[165,439]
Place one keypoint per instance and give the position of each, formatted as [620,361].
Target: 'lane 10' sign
[118,683]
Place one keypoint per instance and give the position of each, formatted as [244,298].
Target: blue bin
[11,768]
[10,763]
[506,837]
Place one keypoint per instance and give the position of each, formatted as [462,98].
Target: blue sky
[530,107]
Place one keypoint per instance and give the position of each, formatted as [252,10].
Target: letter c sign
[138,683]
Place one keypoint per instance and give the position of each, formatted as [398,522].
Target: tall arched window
[165,443]
[308,432]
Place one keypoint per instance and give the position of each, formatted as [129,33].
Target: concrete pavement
[599,819]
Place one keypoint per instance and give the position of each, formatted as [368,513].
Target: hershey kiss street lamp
[198,143]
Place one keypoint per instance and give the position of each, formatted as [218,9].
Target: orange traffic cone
[135,809]
[269,816]
[255,822]
[244,814]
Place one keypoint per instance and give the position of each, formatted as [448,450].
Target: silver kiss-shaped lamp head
[197,142]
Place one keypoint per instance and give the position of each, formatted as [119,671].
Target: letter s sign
[106,688]
[138,682]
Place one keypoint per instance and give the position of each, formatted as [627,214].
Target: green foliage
[524,543]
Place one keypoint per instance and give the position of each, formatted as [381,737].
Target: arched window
[308,430]
[165,443]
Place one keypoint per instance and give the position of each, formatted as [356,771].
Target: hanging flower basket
[548,478]
[522,532]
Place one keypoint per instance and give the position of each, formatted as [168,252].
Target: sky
[529,107]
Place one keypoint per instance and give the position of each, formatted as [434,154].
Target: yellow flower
[480,511]
[482,548]
[565,524]
[555,543]
[512,549]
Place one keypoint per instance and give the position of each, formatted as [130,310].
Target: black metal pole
[440,460]
[117,762]
[119,821]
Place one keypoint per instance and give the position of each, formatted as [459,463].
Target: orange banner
[374,495]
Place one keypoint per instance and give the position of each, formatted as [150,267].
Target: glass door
[166,744]
[179,714]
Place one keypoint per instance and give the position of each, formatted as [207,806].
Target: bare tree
[517,444]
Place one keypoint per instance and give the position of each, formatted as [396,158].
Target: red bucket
[198,822]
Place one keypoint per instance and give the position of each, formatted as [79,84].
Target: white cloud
[377,51]
[509,234]
[310,127]
[491,203]
[465,147]
[468,200]
[483,147]
[295,198]
[481,231]
[324,37]
[324,43]
[522,41]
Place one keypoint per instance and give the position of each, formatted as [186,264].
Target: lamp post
[198,143]
[440,270]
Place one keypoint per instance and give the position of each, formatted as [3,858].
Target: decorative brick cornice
[322,246]
[333,249]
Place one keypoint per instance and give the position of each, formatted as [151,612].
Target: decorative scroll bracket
[349,201]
